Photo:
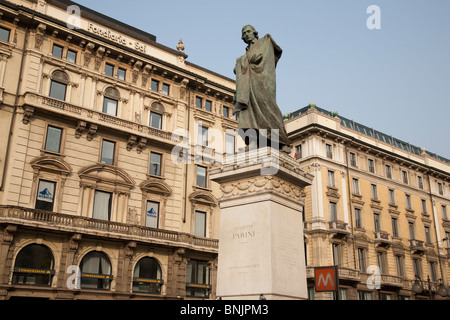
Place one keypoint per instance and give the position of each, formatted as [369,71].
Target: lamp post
[418,288]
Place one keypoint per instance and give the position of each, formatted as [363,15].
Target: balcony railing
[339,228]
[70,223]
[417,246]
[99,118]
[382,238]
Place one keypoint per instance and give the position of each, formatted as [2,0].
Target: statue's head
[249,33]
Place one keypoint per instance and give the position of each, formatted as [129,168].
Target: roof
[368,131]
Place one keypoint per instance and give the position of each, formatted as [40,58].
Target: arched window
[95,271]
[111,101]
[34,266]
[147,276]
[58,85]
[156,115]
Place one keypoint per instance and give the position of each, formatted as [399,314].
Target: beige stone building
[377,204]
[106,140]
[91,110]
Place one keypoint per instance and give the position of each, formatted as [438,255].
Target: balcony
[417,246]
[30,101]
[382,238]
[76,224]
[338,228]
[392,281]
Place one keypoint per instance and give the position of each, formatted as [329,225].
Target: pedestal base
[261,245]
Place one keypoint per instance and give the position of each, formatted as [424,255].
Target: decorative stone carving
[27,115]
[91,131]
[39,37]
[262,184]
[141,145]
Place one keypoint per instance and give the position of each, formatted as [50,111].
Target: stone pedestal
[261,244]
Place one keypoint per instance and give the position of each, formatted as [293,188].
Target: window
[102,205]
[412,234]
[110,106]
[45,197]
[352,159]
[444,212]
[226,112]
[420,182]
[95,271]
[424,205]
[447,238]
[152,214]
[371,165]
[333,211]
[298,152]
[408,202]
[4,34]
[165,88]
[208,105]
[364,295]
[440,189]
[154,85]
[381,258]
[391,197]
[201,176]
[374,191]
[71,56]
[53,139]
[202,138]
[385,296]
[355,183]
[155,163]
[121,73]
[336,254]
[108,151]
[109,69]
[155,120]
[433,271]
[331,179]
[34,266]
[57,51]
[58,85]
[394,223]
[58,90]
[198,102]
[376,222]
[197,279]
[200,224]
[427,235]
[399,264]
[362,259]
[388,171]
[417,267]
[230,147]
[405,176]
[147,276]
[358,218]
[329,151]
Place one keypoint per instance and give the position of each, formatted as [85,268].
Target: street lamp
[417,288]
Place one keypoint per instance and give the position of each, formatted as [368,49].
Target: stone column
[261,244]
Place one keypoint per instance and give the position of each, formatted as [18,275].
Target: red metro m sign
[325,279]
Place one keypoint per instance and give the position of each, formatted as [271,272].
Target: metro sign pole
[326,279]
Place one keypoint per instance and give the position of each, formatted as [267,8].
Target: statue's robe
[255,97]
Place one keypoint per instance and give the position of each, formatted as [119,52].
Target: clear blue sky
[396,79]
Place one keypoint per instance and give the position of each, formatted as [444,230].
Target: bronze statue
[255,98]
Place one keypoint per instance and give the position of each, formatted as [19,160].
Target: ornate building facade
[91,110]
[106,141]
[377,208]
